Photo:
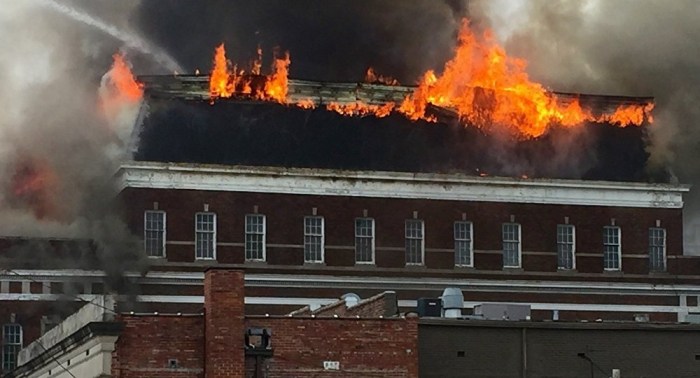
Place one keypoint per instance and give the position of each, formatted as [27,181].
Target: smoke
[627,47]
[328,40]
[58,150]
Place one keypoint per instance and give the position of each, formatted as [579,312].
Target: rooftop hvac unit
[431,307]
[502,311]
[452,302]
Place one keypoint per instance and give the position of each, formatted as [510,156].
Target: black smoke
[328,40]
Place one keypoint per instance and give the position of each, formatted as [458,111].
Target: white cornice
[456,187]
[304,281]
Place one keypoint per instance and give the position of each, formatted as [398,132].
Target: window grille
[313,239]
[205,236]
[364,240]
[11,345]
[154,233]
[566,246]
[511,245]
[611,248]
[463,244]
[255,237]
[657,249]
[414,242]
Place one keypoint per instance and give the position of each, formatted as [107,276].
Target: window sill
[314,263]
[567,271]
[617,272]
[415,266]
[157,257]
[513,269]
[365,264]
[465,267]
[255,262]
[660,273]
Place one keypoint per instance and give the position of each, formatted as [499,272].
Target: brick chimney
[224,316]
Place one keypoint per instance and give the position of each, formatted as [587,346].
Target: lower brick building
[347,338]
[221,341]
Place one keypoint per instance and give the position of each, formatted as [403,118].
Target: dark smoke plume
[628,47]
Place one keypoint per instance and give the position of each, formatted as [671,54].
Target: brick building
[100,341]
[316,206]
[345,339]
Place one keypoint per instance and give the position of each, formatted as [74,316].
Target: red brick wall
[364,348]
[224,306]
[285,215]
[148,342]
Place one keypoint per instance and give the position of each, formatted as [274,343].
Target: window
[255,237]
[611,248]
[463,244]
[364,240]
[11,345]
[154,233]
[511,245]
[313,239]
[657,249]
[566,246]
[414,241]
[205,236]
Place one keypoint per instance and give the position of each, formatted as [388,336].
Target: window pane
[611,248]
[565,246]
[313,239]
[462,235]
[255,237]
[205,235]
[364,240]
[511,245]
[414,241]
[657,249]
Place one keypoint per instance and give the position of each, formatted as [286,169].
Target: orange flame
[372,78]
[277,86]
[487,88]
[360,109]
[631,115]
[220,83]
[124,80]
[33,184]
[122,88]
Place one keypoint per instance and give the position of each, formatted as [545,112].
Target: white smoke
[54,74]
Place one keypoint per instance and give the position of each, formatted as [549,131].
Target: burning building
[476,178]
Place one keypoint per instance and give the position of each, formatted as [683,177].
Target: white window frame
[422,241]
[663,248]
[196,231]
[372,238]
[146,230]
[560,243]
[619,248]
[470,243]
[10,365]
[264,238]
[322,235]
[519,241]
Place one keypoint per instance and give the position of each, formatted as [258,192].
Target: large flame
[220,81]
[488,88]
[121,89]
[227,81]
[481,84]
[276,86]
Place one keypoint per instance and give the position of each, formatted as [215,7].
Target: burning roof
[182,126]
[481,114]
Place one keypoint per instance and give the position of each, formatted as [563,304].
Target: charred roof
[182,126]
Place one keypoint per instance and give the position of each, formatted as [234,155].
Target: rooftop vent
[452,302]
[351,299]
